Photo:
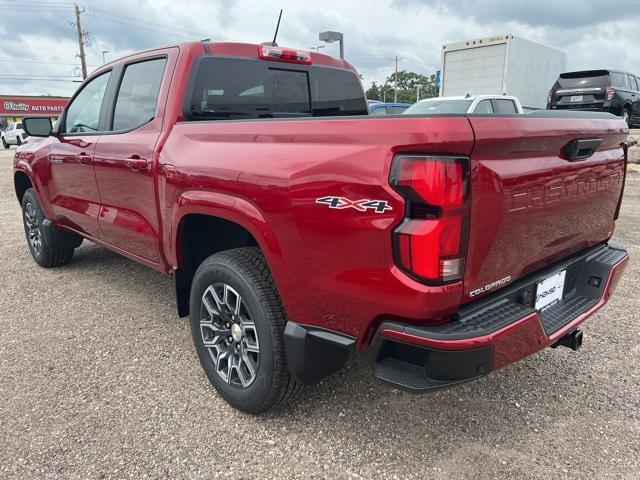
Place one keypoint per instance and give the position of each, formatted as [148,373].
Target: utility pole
[395,85]
[83,61]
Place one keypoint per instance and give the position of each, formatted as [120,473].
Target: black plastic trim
[182,278]
[58,239]
[420,369]
[314,353]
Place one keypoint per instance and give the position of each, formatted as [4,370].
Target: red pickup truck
[298,229]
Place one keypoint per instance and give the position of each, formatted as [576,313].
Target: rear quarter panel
[333,268]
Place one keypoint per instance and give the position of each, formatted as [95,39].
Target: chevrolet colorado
[297,229]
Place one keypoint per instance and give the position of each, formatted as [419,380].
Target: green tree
[408,83]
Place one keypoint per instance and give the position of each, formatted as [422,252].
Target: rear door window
[504,106]
[138,94]
[617,79]
[632,82]
[233,88]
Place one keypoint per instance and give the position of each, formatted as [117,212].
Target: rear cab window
[238,88]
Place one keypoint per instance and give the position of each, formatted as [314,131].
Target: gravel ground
[99,379]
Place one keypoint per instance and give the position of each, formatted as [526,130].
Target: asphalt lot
[99,379]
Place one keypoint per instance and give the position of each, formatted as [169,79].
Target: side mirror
[37,127]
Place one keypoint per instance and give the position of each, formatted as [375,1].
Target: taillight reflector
[284,55]
[431,245]
[437,181]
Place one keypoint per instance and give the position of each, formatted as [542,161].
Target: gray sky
[595,34]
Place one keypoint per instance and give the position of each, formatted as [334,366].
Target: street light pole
[104,59]
[384,95]
[330,37]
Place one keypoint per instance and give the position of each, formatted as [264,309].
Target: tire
[626,116]
[32,217]
[237,324]
[5,144]
[18,141]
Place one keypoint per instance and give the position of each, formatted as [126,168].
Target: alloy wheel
[33,228]
[229,334]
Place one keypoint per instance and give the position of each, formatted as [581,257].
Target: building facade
[13,107]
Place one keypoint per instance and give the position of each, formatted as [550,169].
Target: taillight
[284,55]
[431,242]
[549,97]
[609,93]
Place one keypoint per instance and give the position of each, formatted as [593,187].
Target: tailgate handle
[581,148]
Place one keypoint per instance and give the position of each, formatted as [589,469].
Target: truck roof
[240,49]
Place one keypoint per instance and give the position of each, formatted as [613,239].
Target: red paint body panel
[333,268]
[529,206]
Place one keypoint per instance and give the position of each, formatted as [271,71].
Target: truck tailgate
[530,204]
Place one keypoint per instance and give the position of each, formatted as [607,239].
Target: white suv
[13,135]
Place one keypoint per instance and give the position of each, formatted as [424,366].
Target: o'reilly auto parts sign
[22,106]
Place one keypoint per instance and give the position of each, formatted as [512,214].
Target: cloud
[592,33]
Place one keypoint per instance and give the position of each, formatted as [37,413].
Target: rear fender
[227,207]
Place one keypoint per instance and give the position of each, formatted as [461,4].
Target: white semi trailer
[501,65]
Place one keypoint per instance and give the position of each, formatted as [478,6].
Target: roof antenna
[275,35]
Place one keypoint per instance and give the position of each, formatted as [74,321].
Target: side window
[379,111]
[504,106]
[616,79]
[484,107]
[138,94]
[632,82]
[396,110]
[83,114]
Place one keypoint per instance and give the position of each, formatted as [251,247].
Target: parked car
[612,91]
[13,135]
[297,228]
[485,104]
[380,108]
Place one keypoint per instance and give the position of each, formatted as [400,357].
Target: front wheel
[33,216]
[5,144]
[237,325]
[18,141]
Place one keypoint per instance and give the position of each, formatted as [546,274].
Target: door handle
[83,158]
[136,163]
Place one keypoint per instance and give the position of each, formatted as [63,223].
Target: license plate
[576,98]
[549,290]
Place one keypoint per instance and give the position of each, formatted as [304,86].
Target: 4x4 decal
[340,203]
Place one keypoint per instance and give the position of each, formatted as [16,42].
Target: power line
[16,60]
[148,22]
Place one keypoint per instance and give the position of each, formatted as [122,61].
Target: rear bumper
[499,329]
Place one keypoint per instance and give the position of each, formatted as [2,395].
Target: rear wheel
[237,325]
[33,216]
[18,141]
[5,144]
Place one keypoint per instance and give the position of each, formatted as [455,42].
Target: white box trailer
[501,65]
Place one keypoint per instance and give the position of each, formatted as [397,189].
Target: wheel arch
[21,183]
[210,222]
